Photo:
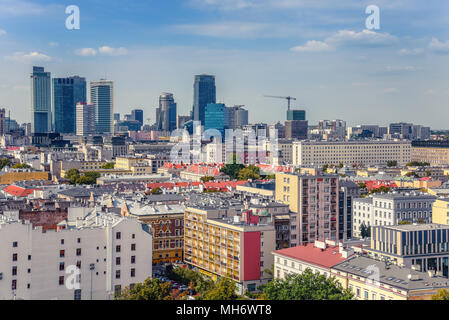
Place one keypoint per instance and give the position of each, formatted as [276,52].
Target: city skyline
[319,53]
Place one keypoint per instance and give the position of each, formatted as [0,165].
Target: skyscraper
[40,100]
[2,121]
[166,113]
[216,117]
[204,92]
[67,92]
[85,119]
[102,96]
[238,117]
[137,114]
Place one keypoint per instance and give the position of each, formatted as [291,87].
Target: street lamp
[91,268]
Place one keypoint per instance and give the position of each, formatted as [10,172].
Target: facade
[166,223]
[216,116]
[236,247]
[204,92]
[440,211]
[296,129]
[67,92]
[109,251]
[137,115]
[238,117]
[423,247]
[41,118]
[166,113]
[436,153]
[377,152]
[348,192]
[85,119]
[296,115]
[390,209]
[314,198]
[102,96]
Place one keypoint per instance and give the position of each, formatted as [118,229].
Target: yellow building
[440,211]
[436,156]
[370,279]
[135,165]
[17,176]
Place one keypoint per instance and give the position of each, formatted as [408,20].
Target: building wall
[440,211]
[12,177]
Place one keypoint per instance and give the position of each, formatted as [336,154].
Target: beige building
[350,152]
[440,211]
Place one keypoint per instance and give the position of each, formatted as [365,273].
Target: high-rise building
[40,100]
[216,117]
[404,130]
[102,96]
[85,119]
[181,121]
[296,129]
[166,113]
[349,191]
[116,116]
[238,117]
[296,115]
[2,121]
[67,92]
[137,115]
[204,92]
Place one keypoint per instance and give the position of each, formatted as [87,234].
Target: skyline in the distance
[319,53]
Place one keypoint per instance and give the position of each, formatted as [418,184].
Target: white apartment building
[391,208]
[85,119]
[110,252]
[370,152]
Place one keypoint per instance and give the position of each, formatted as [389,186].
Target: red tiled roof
[18,191]
[310,254]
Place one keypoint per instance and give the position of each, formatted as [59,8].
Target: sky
[318,51]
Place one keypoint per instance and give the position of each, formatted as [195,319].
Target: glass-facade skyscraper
[137,114]
[40,101]
[204,92]
[102,96]
[296,115]
[216,117]
[166,113]
[67,92]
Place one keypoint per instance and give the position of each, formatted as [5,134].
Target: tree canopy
[109,165]
[75,177]
[150,289]
[250,172]
[306,286]
[443,294]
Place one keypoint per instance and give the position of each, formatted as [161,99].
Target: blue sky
[315,50]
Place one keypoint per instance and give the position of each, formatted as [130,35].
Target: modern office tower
[296,129]
[204,92]
[216,117]
[116,116]
[238,117]
[40,100]
[137,115]
[85,119]
[318,153]
[404,130]
[315,199]
[2,121]
[420,132]
[366,131]
[391,209]
[102,96]
[67,92]
[236,247]
[296,115]
[181,121]
[349,191]
[166,113]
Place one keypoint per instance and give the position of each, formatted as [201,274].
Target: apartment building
[319,257]
[220,243]
[348,191]
[434,152]
[440,211]
[361,152]
[166,224]
[425,247]
[392,208]
[371,279]
[103,252]
[314,198]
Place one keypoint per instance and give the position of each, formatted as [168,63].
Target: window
[133,273]
[117,261]
[29,270]
[117,274]
[117,290]
[14,244]
[62,241]
[61,280]
[118,235]
[133,247]
[77,294]
[61,253]
[133,236]
[14,257]
[78,264]
[29,257]
[79,240]
[14,271]
[14,284]
[61,266]
[117,248]
[133,259]
[78,251]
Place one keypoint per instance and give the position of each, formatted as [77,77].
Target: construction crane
[288,99]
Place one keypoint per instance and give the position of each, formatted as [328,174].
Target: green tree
[150,289]
[365,231]
[404,222]
[156,190]
[392,163]
[5,162]
[21,166]
[109,165]
[250,172]
[362,185]
[232,169]
[325,167]
[225,290]
[306,286]
[73,175]
[443,294]
[340,165]
[207,178]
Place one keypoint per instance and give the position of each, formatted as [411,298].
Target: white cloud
[411,52]
[86,52]
[2,32]
[313,46]
[113,51]
[28,57]
[439,47]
